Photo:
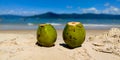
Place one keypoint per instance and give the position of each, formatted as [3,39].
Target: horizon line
[58,13]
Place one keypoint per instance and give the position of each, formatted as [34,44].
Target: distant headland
[51,15]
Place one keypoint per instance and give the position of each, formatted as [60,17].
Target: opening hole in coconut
[73,22]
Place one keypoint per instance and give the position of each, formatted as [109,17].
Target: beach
[90,28]
[21,45]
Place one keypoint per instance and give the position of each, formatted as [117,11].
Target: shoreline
[58,27]
[58,30]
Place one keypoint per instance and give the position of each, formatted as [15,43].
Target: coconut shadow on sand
[66,46]
[42,45]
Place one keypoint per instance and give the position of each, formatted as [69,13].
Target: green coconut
[74,34]
[46,35]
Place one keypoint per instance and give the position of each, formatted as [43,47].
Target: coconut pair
[73,34]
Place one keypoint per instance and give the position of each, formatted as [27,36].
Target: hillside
[51,15]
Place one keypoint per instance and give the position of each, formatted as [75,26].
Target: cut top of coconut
[73,23]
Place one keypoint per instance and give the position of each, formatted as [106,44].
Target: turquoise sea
[32,23]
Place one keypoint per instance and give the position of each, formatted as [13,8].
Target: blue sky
[31,7]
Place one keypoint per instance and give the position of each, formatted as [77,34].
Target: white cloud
[69,7]
[107,4]
[111,10]
[19,12]
[108,10]
[27,12]
[7,11]
[90,10]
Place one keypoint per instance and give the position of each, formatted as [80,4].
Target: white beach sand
[21,45]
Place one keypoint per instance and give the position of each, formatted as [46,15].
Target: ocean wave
[101,25]
[55,24]
[30,24]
